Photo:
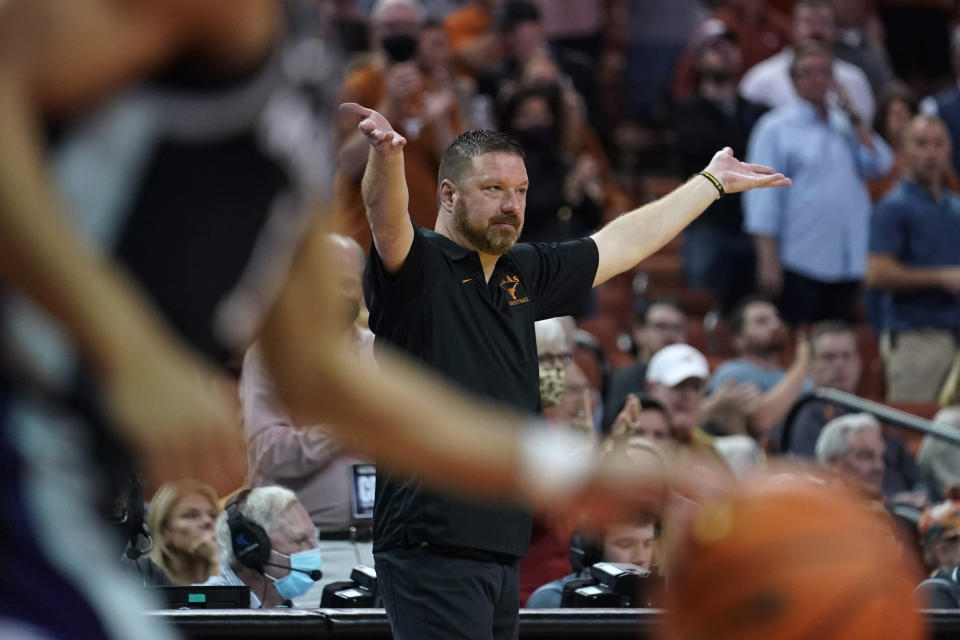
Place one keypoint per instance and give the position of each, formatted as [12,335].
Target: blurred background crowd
[849,279]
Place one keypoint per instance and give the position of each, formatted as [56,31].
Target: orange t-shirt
[463,25]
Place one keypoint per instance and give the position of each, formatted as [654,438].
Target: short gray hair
[835,437]
[376,13]
[551,336]
[262,506]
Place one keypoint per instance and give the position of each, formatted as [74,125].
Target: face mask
[552,382]
[716,76]
[296,583]
[537,137]
[399,47]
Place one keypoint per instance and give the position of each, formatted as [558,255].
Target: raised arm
[384,186]
[774,405]
[637,234]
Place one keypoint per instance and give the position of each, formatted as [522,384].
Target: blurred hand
[734,398]
[438,104]
[177,413]
[622,488]
[845,104]
[403,80]
[378,131]
[583,180]
[737,176]
[950,279]
[730,406]
[803,351]
[205,546]
[626,420]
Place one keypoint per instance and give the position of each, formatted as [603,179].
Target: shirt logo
[510,284]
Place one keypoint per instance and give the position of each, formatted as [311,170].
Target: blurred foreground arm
[158,393]
[398,412]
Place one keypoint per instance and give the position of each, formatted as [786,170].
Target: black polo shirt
[480,336]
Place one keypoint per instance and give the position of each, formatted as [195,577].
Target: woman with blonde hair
[181,521]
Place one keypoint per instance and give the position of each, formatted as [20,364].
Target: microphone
[315,574]
[135,551]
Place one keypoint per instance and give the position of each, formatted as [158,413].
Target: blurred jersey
[201,186]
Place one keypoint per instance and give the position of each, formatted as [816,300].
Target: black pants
[807,300]
[428,595]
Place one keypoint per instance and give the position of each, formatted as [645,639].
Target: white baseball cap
[675,363]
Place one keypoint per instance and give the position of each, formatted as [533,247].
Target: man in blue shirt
[914,240]
[758,336]
[812,240]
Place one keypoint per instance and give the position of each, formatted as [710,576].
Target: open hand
[737,176]
[734,398]
[378,131]
[627,418]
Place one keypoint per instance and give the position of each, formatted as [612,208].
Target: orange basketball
[790,560]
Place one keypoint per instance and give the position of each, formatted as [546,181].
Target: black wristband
[714,181]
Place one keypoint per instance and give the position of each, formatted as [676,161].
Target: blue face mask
[298,581]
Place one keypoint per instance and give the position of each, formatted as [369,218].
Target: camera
[612,585]
[400,47]
[359,592]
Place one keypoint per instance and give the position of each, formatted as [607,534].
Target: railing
[371,624]
[889,414]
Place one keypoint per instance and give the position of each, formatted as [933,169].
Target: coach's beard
[497,238]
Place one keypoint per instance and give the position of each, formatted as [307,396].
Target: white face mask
[553,380]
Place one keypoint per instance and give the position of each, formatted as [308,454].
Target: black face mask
[539,137]
[715,75]
[400,47]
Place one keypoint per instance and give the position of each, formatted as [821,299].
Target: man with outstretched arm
[463,299]
[145,371]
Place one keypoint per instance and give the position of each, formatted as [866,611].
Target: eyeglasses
[555,359]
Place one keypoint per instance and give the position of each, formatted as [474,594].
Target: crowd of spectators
[849,279]
[610,115]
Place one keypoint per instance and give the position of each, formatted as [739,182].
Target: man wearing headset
[268,543]
[632,542]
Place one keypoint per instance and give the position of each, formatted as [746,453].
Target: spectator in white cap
[677,378]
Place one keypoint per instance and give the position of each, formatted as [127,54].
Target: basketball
[788,561]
